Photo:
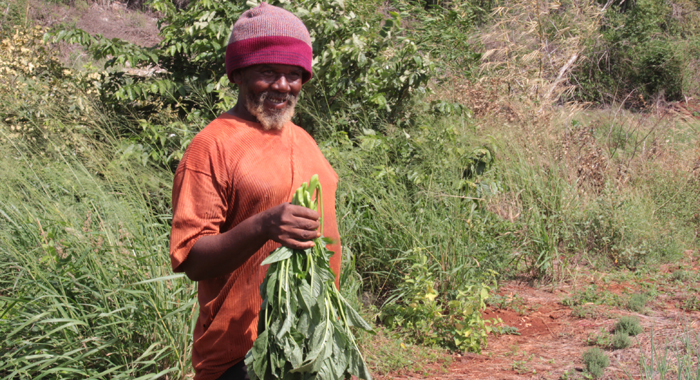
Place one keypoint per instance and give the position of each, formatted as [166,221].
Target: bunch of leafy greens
[304,323]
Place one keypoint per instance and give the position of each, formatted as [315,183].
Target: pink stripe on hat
[269,35]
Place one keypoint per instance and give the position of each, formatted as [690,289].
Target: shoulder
[303,138]
[308,145]
[219,142]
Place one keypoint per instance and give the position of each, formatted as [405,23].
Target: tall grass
[85,286]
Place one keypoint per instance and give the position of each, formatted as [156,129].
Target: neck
[240,111]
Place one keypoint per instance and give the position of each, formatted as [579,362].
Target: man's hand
[216,255]
[292,226]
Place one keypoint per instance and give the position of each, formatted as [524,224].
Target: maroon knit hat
[272,35]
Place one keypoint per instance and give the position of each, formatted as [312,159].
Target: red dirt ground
[552,340]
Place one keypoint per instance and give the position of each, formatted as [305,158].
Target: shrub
[637,302]
[596,361]
[621,340]
[646,50]
[361,61]
[583,311]
[682,275]
[629,325]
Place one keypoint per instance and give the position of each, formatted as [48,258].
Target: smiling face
[268,93]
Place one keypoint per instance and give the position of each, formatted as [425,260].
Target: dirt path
[553,336]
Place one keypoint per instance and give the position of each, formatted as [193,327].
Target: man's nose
[281,84]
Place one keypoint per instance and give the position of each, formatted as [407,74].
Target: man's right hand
[292,226]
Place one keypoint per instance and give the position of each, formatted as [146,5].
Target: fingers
[296,244]
[303,212]
[293,226]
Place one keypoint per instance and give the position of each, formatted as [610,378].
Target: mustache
[277,95]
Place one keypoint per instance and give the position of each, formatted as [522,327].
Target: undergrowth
[437,202]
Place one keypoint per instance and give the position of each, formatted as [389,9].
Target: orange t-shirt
[232,170]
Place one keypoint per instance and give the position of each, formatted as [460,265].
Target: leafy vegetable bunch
[304,323]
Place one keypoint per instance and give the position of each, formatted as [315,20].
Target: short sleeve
[199,200]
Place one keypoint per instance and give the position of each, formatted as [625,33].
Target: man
[232,189]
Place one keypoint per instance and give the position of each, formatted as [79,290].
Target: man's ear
[236,76]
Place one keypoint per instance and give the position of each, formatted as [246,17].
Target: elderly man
[232,189]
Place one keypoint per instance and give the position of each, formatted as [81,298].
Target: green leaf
[279,254]
[354,318]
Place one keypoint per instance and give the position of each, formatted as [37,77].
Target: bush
[596,361]
[628,325]
[637,302]
[646,51]
[621,340]
[404,205]
[361,61]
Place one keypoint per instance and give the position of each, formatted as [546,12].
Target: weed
[637,302]
[87,260]
[596,360]
[386,351]
[601,339]
[620,340]
[505,330]
[511,301]
[520,367]
[592,294]
[678,358]
[681,275]
[629,325]
[583,311]
[691,304]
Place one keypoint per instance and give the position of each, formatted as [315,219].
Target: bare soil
[110,19]
[552,337]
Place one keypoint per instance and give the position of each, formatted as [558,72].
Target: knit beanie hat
[269,35]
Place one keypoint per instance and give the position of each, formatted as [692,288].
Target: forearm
[216,255]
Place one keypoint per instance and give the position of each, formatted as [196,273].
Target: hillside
[516,177]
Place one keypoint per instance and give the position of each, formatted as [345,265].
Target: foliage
[620,340]
[85,291]
[444,32]
[629,325]
[596,361]
[304,324]
[361,61]
[583,311]
[691,303]
[648,48]
[387,351]
[602,338]
[417,310]
[429,193]
[682,275]
[529,47]
[417,232]
[637,302]
[591,294]
[677,358]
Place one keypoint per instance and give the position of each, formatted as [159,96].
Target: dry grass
[534,44]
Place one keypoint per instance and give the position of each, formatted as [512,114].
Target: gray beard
[270,119]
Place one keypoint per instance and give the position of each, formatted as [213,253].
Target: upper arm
[199,199]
